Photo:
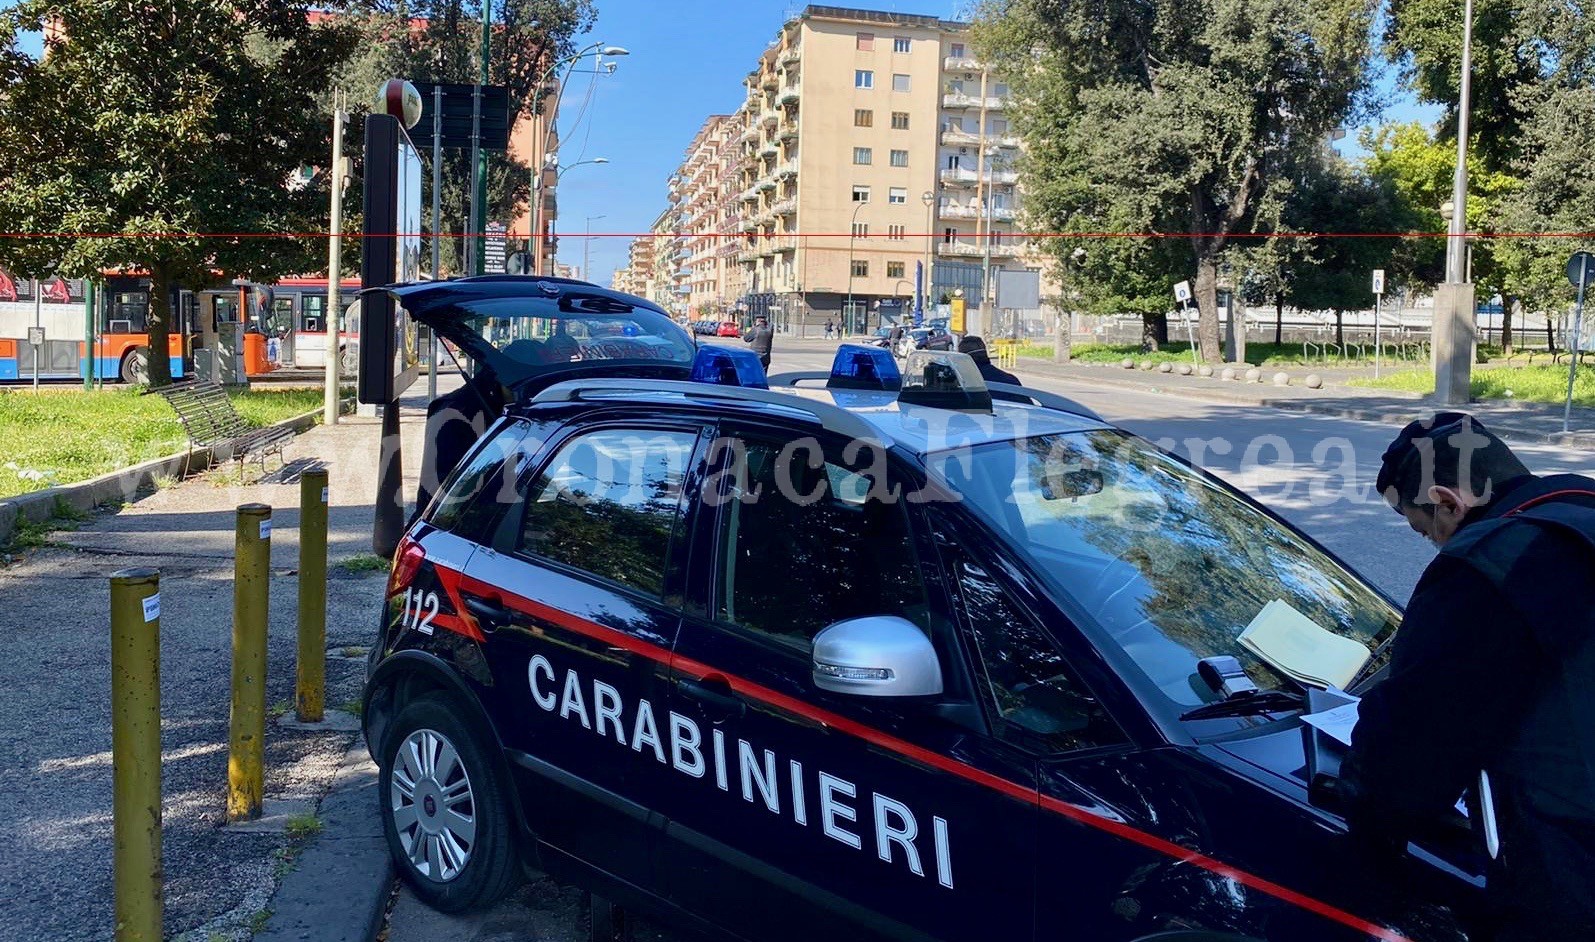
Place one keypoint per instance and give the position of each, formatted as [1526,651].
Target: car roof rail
[832,417]
[798,376]
[1047,400]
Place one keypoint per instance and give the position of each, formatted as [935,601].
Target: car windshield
[1170,564]
[539,333]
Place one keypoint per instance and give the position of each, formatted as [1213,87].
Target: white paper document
[1300,648]
[1336,723]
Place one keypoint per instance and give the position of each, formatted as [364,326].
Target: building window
[900,44]
[897,195]
[899,121]
[999,126]
[866,41]
[894,269]
[953,161]
[860,194]
[860,268]
[861,230]
[949,235]
[1000,90]
[863,118]
[863,155]
[899,83]
[899,158]
[956,50]
[863,78]
[895,233]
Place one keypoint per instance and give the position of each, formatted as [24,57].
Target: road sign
[456,116]
[493,255]
[1378,281]
[1019,290]
[518,264]
[1182,292]
[36,336]
[1581,269]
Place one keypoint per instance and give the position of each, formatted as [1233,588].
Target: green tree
[152,130]
[440,41]
[1173,117]
[1332,272]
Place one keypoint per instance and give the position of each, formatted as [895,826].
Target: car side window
[466,498]
[802,547]
[609,502]
[1024,678]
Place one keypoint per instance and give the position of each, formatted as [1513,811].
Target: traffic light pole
[479,156]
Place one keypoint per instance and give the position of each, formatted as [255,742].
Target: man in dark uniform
[454,422]
[989,371]
[1493,670]
[760,339]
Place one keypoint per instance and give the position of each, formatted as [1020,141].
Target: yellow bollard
[246,753]
[311,673]
[136,752]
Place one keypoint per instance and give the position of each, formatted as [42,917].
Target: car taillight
[407,559]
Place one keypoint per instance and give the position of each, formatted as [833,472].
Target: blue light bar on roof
[859,367]
[728,366]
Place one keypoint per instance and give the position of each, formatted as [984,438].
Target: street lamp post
[1453,301]
[569,64]
[587,245]
[852,233]
[929,199]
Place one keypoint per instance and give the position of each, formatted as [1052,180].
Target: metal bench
[210,422]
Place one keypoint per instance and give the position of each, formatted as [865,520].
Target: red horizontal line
[811,235]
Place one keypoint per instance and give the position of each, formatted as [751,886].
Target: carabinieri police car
[858,655]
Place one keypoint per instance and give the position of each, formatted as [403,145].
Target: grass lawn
[1258,354]
[65,435]
[1527,383]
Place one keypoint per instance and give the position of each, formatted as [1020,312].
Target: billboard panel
[390,346]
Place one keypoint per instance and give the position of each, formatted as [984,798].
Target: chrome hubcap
[432,805]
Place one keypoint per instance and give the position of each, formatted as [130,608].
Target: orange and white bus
[302,303]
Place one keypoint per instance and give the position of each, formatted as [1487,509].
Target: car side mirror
[876,656]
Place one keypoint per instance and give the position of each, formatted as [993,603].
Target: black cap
[1490,460]
[974,346]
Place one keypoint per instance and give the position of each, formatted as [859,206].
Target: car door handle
[490,613]
[715,694]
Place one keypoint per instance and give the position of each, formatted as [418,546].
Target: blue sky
[687,61]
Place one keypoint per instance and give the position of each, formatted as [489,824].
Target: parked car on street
[924,338]
[882,659]
[728,329]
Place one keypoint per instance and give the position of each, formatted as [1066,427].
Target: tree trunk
[1340,330]
[158,324]
[1207,329]
[1279,318]
[1508,305]
[1550,335]
[1154,332]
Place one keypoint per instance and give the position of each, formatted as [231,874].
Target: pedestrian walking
[1492,670]
[829,329]
[760,338]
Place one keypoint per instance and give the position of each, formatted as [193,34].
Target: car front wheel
[444,809]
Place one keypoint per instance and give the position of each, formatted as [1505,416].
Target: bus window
[313,313]
[128,312]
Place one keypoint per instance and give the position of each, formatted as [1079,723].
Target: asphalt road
[1316,471]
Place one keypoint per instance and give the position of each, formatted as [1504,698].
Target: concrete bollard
[136,753]
[1281,379]
[1146,364]
[1253,375]
[1184,369]
[1227,375]
[1204,370]
[310,674]
[246,748]
[1314,381]
[1165,367]
[1127,363]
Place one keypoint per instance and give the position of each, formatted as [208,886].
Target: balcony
[788,96]
[750,195]
[784,243]
[770,118]
[960,64]
[748,255]
[957,100]
[790,55]
[749,133]
[788,132]
[787,207]
[956,137]
[765,185]
[768,82]
[971,250]
[960,176]
[787,170]
[768,150]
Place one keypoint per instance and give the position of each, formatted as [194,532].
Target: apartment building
[637,275]
[870,151]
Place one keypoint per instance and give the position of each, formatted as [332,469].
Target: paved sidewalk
[55,872]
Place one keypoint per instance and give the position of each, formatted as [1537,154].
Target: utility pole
[1453,300]
[477,235]
[983,223]
[330,358]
